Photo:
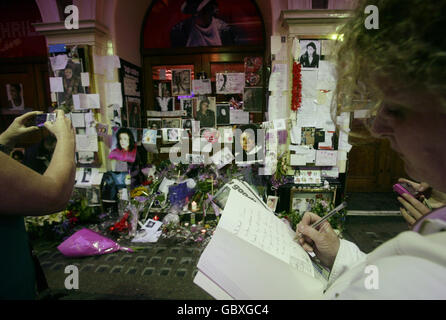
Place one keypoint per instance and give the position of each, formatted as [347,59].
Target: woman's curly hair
[409,49]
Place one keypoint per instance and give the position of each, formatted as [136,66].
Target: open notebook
[253,255]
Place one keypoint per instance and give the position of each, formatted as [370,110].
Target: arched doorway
[170,42]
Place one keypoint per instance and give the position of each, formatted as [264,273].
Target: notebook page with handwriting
[258,226]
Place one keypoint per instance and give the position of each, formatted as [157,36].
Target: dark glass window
[319,4]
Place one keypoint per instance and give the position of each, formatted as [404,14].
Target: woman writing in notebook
[410,112]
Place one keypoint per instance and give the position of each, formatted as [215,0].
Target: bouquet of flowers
[59,225]
[320,207]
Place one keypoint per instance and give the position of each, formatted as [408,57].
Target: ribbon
[214,206]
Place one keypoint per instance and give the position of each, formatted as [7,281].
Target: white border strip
[372,213]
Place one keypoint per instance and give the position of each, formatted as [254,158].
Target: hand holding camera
[19,127]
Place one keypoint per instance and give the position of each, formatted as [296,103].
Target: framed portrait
[305,200]
[186,105]
[181,82]
[249,148]
[155,124]
[171,123]
[204,110]
[93,197]
[223,114]
[171,135]
[187,124]
[253,99]
[271,202]
[310,53]
[134,112]
[14,92]
[164,100]
[308,136]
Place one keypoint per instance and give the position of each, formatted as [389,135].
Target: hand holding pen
[316,235]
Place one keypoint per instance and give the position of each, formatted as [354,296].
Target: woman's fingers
[416,204]
[407,216]
[415,212]
[30,129]
[410,209]
[421,187]
[307,247]
[309,218]
[28,115]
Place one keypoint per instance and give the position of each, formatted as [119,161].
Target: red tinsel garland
[297,86]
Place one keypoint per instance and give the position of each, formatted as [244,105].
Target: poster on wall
[171,123]
[16,101]
[201,86]
[133,112]
[68,84]
[186,105]
[181,82]
[227,83]
[253,100]
[180,23]
[223,114]
[164,100]
[204,111]
[154,123]
[253,71]
[310,53]
[123,144]
[129,76]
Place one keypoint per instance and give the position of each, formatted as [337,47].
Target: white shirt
[410,266]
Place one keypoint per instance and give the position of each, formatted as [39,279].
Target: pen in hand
[324,218]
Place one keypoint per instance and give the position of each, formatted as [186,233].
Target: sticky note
[56,84]
[85,79]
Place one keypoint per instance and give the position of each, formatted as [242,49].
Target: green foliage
[293,217]
[321,208]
